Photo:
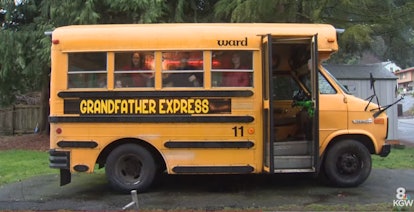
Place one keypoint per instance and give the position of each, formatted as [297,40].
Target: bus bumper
[385,150]
[61,160]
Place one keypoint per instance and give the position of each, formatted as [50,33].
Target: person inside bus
[136,79]
[184,79]
[304,73]
[236,79]
[303,119]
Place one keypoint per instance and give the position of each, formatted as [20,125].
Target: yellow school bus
[144,99]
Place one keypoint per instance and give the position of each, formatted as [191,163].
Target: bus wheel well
[365,140]
[108,149]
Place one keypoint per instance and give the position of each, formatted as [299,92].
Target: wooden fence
[19,119]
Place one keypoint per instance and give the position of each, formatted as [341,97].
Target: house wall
[386,92]
[405,76]
[405,79]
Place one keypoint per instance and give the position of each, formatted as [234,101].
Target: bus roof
[202,36]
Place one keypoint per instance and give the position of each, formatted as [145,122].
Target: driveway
[282,192]
[406,131]
[90,192]
[406,124]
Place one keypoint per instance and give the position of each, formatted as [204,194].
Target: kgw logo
[403,199]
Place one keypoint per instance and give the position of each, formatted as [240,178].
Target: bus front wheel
[130,167]
[348,163]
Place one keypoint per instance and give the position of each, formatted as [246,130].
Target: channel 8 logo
[401,194]
[402,198]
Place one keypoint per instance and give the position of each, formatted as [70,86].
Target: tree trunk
[44,127]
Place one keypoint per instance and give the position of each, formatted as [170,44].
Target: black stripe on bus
[127,94]
[214,169]
[209,144]
[150,119]
[77,144]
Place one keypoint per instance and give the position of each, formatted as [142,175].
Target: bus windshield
[343,88]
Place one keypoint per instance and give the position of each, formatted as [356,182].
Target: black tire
[130,167]
[348,163]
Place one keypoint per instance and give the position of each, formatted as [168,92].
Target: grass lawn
[18,165]
[397,159]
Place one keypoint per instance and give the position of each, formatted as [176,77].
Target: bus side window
[134,69]
[183,69]
[232,69]
[87,70]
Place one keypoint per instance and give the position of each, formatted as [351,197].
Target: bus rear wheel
[348,163]
[130,167]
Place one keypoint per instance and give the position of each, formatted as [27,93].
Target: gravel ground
[30,142]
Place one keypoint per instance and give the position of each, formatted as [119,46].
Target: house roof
[360,71]
[405,70]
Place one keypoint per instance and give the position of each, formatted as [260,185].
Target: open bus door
[268,134]
[290,99]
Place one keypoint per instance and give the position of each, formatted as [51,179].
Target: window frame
[88,72]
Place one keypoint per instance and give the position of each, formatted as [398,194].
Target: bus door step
[290,148]
[293,162]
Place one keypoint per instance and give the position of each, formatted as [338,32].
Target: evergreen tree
[383,28]
[25,50]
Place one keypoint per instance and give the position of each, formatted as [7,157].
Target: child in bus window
[137,79]
[184,79]
[236,79]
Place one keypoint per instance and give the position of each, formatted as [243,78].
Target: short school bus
[144,99]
